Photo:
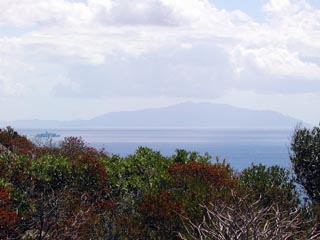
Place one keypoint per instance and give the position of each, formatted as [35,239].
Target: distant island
[184,115]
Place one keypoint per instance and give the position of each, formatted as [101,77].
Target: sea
[239,147]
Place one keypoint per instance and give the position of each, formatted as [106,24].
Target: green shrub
[272,184]
[305,158]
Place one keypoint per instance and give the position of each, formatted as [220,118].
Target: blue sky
[63,59]
[253,8]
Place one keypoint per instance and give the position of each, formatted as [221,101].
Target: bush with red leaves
[194,184]
[15,142]
[8,217]
[161,212]
[212,175]
[189,185]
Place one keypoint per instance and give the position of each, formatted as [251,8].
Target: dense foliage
[73,191]
[305,157]
[271,184]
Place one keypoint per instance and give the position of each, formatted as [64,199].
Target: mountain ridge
[182,115]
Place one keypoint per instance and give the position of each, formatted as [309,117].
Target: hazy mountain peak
[190,114]
[182,115]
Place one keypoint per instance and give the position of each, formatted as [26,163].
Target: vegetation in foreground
[73,191]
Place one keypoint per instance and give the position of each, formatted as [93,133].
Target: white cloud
[23,13]
[276,6]
[273,62]
[11,83]
[110,12]
[9,87]
[174,71]
[123,12]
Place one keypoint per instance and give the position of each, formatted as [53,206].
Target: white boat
[47,135]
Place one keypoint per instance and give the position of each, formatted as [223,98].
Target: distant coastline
[180,116]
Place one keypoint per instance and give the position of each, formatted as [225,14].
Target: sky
[77,59]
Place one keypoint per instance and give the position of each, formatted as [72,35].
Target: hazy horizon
[149,108]
[78,59]
[186,115]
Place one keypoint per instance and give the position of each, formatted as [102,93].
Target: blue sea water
[240,147]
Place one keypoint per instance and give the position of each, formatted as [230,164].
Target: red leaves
[187,187]
[59,191]
[8,218]
[15,142]
[73,147]
[86,163]
[162,206]
[160,216]
[215,175]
